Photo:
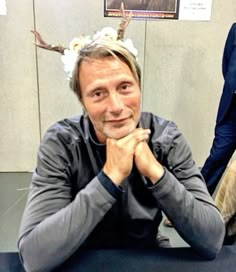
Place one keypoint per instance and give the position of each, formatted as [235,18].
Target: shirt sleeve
[183,196]
[53,224]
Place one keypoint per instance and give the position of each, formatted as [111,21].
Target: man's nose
[115,104]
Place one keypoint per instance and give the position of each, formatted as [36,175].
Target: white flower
[69,60]
[78,43]
[107,33]
[130,46]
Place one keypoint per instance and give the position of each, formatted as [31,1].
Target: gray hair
[103,50]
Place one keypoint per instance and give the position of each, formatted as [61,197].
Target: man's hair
[100,51]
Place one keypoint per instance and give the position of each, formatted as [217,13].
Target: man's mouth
[117,121]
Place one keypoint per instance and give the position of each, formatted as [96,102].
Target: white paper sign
[197,10]
[3,8]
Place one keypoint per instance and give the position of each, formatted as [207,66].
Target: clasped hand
[123,153]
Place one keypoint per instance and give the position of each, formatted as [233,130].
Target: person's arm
[225,198]
[182,194]
[197,221]
[53,225]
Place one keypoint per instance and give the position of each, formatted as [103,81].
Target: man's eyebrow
[126,81]
[94,89]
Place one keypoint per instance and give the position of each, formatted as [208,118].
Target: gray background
[181,63]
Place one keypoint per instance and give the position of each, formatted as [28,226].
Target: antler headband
[69,55]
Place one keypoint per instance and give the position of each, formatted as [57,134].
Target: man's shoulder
[162,130]
[68,129]
[149,120]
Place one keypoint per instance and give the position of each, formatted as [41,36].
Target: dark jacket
[73,204]
[229,74]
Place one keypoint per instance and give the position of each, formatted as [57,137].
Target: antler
[124,22]
[42,44]
[59,48]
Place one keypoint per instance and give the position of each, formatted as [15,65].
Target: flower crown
[70,54]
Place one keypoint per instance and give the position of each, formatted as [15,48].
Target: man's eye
[125,88]
[97,93]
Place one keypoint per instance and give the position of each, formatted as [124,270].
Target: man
[224,143]
[103,179]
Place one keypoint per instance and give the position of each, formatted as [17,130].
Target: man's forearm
[58,236]
[194,217]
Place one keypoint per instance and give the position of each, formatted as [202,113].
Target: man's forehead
[104,63]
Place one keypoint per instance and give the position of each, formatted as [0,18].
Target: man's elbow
[209,253]
[28,259]
[213,245]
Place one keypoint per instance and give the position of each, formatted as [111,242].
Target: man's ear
[85,114]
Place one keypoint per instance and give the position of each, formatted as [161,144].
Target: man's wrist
[156,175]
[114,190]
[114,177]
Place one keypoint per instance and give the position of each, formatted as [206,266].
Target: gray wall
[181,63]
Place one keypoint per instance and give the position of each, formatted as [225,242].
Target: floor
[13,194]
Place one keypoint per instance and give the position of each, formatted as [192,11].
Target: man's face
[111,97]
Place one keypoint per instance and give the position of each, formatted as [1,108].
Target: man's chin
[119,133]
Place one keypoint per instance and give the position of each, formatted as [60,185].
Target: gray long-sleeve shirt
[73,204]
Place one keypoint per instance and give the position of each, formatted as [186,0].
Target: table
[135,260]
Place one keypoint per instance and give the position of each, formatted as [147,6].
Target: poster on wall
[146,9]
[3,9]
[198,10]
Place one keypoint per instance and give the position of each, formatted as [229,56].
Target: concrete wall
[181,63]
